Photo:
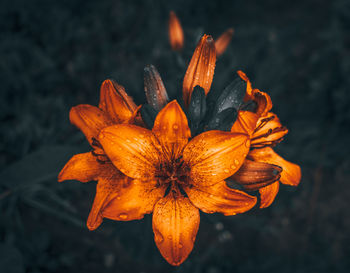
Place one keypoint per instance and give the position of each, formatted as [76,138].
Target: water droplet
[233,167]
[112,143]
[213,174]
[123,216]
[128,140]
[226,171]
[180,245]
[236,162]
[142,135]
[102,135]
[175,127]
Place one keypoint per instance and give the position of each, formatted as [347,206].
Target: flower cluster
[211,151]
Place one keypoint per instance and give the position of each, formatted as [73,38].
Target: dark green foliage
[222,121]
[148,115]
[196,109]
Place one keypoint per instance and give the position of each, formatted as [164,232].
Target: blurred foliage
[55,54]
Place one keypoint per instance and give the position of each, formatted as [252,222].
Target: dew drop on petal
[226,171]
[123,216]
[236,162]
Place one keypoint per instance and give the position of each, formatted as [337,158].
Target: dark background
[55,54]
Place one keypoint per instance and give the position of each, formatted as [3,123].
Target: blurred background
[55,54]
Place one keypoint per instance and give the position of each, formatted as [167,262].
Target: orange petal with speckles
[175,226]
[268,194]
[220,198]
[245,123]
[200,71]
[171,129]
[291,173]
[214,156]
[108,185]
[133,201]
[116,102]
[223,41]
[81,167]
[176,34]
[89,119]
[269,131]
[132,149]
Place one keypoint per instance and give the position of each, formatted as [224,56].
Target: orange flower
[115,107]
[177,175]
[176,34]
[263,168]
[200,71]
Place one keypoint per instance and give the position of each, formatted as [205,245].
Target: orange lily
[115,107]
[265,130]
[177,175]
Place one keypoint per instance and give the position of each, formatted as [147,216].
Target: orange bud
[223,41]
[200,71]
[176,34]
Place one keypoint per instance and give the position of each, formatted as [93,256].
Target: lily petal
[263,101]
[255,175]
[171,129]
[109,184]
[132,149]
[200,71]
[214,156]
[223,41]
[81,167]
[89,119]
[245,123]
[268,194]
[176,35]
[291,173]
[175,226]
[220,198]
[133,201]
[269,131]
[116,102]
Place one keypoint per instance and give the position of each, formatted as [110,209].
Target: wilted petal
[220,198]
[81,167]
[223,41]
[176,35]
[214,156]
[171,129]
[175,226]
[155,91]
[200,71]
[116,102]
[108,185]
[133,201]
[291,173]
[89,119]
[131,149]
[268,194]
[268,131]
[255,175]
[245,123]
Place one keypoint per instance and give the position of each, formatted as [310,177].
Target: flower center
[174,172]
